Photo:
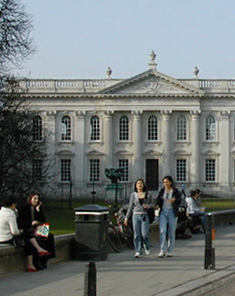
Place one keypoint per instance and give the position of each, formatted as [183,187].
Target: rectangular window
[37,169]
[234,129]
[124,128]
[94,170]
[210,170]
[234,170]
[65,170]
[181,170]
[123,163]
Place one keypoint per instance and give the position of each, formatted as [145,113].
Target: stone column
[137,168]
[167,166]
[108,139]
[195,140]
[51,130]
[79,136]
[224,163]
[51,136]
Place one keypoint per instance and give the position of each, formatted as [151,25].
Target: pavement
[122,274]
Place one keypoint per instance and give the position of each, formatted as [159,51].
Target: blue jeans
[167,216]
[141,231]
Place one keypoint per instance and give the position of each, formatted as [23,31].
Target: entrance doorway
[152,181]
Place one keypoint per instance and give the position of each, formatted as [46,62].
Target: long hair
[144,188]
[31,196]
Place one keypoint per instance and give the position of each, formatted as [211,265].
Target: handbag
[151,215]
[42,230]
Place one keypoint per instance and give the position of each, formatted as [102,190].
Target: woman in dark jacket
[38,249]
[168,200]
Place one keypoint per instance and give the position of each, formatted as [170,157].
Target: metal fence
[71,191]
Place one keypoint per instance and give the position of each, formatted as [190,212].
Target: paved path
[122,274]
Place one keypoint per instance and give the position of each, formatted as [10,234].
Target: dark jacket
[176,194]
[25,218]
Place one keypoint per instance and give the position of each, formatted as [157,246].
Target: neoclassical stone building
[151,125]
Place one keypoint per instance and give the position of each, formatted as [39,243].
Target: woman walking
[140,201]
[168,201]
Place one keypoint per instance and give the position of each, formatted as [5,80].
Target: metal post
[116,194]
[90,279]
[70,192]
[93,192]
[210,242]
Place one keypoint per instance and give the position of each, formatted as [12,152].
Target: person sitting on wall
[8,223]
[194,209]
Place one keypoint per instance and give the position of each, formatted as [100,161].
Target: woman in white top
[8,224]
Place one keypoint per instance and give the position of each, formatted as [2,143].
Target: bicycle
[119,234]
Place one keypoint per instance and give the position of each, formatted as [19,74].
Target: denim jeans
[167,216]
[141,231]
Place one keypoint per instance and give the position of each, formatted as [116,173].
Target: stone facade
[151,124]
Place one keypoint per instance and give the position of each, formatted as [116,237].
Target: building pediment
[124,152]
[153,152]
[210,153]
[94,152]
[65,152]
[154,83]
[182,153]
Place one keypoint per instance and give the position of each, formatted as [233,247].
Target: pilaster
[167,167]
[137,145]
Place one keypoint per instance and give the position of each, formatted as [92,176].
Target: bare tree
[24,164]
[16,43]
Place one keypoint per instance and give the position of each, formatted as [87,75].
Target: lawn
[61,216]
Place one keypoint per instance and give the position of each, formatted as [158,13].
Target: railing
[93,85]
[71,85]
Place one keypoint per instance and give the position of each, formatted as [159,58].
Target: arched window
[66,128]
[181,128]
[37,128]
[152,128]
[210,128]
[95,128]
[124,128]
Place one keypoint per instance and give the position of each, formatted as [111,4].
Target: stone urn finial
[195,72]
[109,72]
[152,64]
[152,56]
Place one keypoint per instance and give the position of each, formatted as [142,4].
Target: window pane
[181,128]
[95,128]
[210,128]
[37,169]
[181,170]
[152,128]
[123,163]
[234,170]
[94,170]
[66,128]
[65,169]
[210,170]
[124,128]
[37,128]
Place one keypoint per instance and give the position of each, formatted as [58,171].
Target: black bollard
[90,279]
[210,242]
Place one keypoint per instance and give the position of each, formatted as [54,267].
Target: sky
[82,38]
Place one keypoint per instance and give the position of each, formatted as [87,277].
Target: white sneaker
[161,254]
[169,255]
[147,251]
[137,255]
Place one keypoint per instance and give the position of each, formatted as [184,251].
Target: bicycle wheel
[128,235]
[114,239]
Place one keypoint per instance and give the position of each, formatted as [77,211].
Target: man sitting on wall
[194,209]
